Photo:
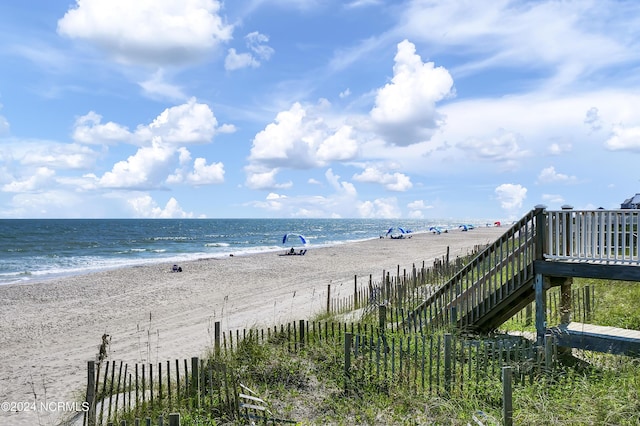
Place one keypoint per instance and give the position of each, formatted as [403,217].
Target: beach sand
[50,330]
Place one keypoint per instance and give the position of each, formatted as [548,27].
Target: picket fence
[442,364]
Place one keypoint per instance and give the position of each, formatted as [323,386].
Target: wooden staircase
[541,250]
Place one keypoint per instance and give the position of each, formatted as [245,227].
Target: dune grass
[307,385]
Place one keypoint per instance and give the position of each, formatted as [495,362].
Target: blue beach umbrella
[288,237]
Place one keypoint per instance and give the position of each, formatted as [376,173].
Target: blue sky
[317,108]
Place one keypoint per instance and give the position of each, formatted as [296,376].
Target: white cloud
[405,109]
[202,174]
[41,178]
[256,43]
[339,146]
[88,129]
[189,123]
[503,147]
[157,87]
[624,139]
[4,125]
[156,32]
[235,60]
[383,208]
[527,34]
[393,182]
[549,175]
[264,179]
[302,138]
[146,169]
[144,206]
[511,196]
[592,119]
[58,156]
[558,149]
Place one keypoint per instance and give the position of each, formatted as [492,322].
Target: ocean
[42,249]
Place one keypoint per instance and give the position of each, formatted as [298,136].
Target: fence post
[195,381]
[382,317]
[355,292]
[302,332]
[91,393]
[548,352]
[174,419]
[328,298]
[216,337]
[447,363]
[587,303]
[347,360]
[507,397]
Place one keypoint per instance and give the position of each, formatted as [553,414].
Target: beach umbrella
[295,237]
[397,231]
[435,230]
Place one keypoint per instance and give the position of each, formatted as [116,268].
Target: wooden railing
[595,236]
[497,277]
[493,275]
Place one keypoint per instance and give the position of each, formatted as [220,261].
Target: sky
[394,109]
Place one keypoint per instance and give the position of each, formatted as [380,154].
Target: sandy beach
[51,329]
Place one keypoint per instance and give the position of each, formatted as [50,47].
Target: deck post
[541,231]
[541,309]
[565,300]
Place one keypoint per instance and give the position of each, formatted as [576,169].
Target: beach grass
[307,386]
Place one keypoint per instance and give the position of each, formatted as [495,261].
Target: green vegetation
[306,383]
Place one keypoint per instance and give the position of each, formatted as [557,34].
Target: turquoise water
[40,249]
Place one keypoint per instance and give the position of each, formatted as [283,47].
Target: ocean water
[42,249]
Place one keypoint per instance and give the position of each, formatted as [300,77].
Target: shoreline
[52,329]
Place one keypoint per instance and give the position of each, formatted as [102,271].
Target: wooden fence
[442,364]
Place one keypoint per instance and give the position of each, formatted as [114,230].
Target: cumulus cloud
[624,139]
[405,108]
[189,123]
[235,60]
[300,138]
[163,145]
[89,129]
[383,208]
[144,206]
[264,179]
[549,175]
[201,174]
[393,182]
[146,169]
[159,32]
[511,196]
[559,148]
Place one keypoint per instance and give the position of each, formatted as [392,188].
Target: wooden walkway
[598,338]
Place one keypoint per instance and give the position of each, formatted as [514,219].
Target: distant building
[631,203]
